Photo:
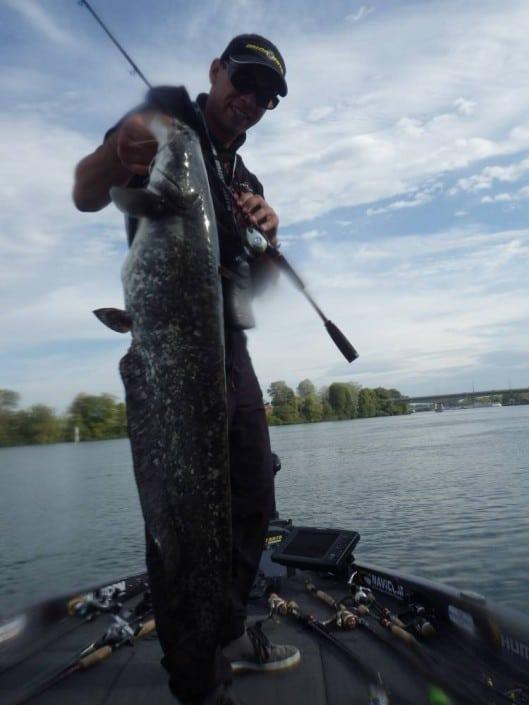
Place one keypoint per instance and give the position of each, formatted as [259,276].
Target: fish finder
[307,548]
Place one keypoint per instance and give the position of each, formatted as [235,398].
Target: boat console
[320,550]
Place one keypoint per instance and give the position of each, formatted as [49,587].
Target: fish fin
[139,202]
[115,319]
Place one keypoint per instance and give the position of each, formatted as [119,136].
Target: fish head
[172,186]
[173,171]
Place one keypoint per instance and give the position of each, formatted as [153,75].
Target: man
[245,82]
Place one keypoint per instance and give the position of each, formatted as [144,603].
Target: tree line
[97,417]
[339,401]
[101,417]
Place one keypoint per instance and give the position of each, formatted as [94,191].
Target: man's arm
[127,151]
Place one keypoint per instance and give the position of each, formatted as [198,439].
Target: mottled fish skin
[174,376]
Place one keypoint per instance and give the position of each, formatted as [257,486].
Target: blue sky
[398,164]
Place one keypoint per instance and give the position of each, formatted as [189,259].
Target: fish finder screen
[311,544]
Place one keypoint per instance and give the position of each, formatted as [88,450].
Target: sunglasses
[246,80]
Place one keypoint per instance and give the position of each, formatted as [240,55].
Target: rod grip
[96,657]
[147,628]
[403,634]
[323,596]
[341,342]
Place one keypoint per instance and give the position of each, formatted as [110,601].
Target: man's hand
[136,144]
[127,151]
[257,213]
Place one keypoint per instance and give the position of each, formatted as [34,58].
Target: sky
[398,165]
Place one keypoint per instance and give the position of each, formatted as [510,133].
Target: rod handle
[146,629]
[341,342]
[96,657]
[323,596]
[403,634]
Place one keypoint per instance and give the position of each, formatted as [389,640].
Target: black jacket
[175,101]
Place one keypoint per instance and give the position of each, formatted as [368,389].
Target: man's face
[235,112]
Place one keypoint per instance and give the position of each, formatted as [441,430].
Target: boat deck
[133,675]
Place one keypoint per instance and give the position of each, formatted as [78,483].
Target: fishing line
[135,68]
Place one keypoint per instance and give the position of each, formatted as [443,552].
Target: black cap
[254,49]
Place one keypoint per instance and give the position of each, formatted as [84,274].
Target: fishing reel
[420,621]
[253,241]
[98,604]
[256,243]
[363,596]
[119,631]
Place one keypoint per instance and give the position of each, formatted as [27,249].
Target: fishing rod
[377,692]
[256,240]
[431,667]
[421,623]
[259,244]
[135,68]
[364,599]
[120,633]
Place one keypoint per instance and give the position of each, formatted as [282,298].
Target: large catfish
[174,377]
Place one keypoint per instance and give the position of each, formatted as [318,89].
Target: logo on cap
[268,53]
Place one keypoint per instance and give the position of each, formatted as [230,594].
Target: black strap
[218,166]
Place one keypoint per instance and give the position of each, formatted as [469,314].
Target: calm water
[441,495]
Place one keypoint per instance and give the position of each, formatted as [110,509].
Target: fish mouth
[175,197]
[170,179]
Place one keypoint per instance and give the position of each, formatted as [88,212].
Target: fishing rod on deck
[445,678]
[121,632]
[256,240]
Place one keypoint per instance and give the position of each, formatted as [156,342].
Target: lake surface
[445,496]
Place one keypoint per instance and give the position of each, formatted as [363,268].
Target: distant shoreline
[101,417]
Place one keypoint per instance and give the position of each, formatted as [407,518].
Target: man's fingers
[265,218]
[269,226]
[137,145]
[261,214]
[249,202]
[138,169]
[134,156]
[257,212]
[244,196]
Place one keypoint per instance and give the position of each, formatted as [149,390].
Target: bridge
[432,398]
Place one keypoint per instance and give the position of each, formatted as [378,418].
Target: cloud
[362,12]
[319,113]
[397,114]
[40,21]
[417,308]
[486,177]
[519,195]
[412,105]
[418,200]
[464,107]
[308,235]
